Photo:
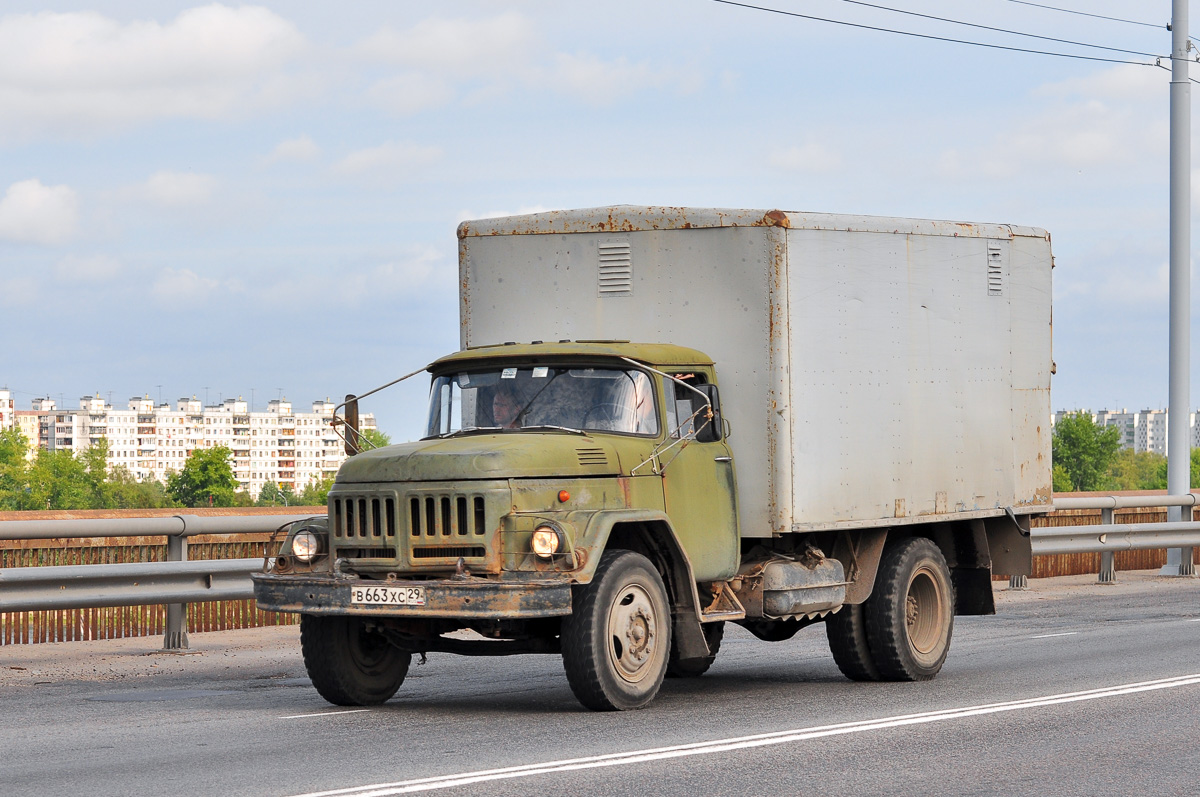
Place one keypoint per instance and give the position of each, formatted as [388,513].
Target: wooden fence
[135,621]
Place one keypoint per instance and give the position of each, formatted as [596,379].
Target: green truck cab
[567,497]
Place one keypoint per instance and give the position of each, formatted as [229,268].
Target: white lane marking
[746,742]
[1047,636]
[1194,620]
[324,714]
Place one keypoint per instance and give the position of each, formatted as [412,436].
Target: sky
[261,200]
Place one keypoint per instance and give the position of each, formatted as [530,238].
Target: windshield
[579,399]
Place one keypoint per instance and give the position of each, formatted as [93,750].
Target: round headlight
[546,541]
[306,546]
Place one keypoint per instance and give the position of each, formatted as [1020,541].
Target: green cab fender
[649,532]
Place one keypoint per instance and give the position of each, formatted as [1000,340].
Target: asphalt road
[1072,688]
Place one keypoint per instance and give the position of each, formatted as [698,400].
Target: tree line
[1086,458]
[64,480]
[1089,458]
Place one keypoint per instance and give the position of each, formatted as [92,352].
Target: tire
[694,668]
[910,618]
[616,641]
[847,633]
[349,665]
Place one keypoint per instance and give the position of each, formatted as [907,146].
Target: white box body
[874,371]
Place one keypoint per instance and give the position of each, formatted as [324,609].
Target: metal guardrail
[1109,537]
[175,582]
[31,589]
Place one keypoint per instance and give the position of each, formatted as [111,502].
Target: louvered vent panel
[615,269]
[995,269]
[592,456]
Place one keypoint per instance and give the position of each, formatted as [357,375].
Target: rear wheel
[910,618]
[349,664]
[847,633]
[693,668]
[617,638]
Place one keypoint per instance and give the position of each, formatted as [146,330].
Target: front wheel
[349,664]
[910,617]
[617,638]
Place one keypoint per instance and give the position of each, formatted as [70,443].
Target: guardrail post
[175,637]
[1108,560]
[1018,582]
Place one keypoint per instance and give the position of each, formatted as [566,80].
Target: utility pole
[1179,454]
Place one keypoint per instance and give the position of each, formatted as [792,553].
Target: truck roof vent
[615,271]
[995,269]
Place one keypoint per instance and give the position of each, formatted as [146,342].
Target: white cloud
[41,214]
[394,158]
[480,60]
[1129,287]
[1106,122]
[596,81]
[361,283]
[809,157]
[19,291]
[468,215]
[77,72]
[1089,135]
[94,269]
[295,149]
[177,189]
[182,284]
[1120,83]
[461,47]
[410,92]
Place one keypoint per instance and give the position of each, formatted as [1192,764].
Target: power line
[1160,66]
[934,38]
[998,30]
[1086,14]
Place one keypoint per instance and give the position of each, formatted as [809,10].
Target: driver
[506,406]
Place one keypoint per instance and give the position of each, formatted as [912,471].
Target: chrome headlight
[306,546]
[546,541]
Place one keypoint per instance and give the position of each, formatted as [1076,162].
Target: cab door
[698,480]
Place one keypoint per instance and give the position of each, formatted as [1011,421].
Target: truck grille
[432,525]
[364,520]
[446,516]
[450,552]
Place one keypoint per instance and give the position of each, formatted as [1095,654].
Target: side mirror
[352,443]
[711,431]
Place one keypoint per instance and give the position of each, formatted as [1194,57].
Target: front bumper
[474,598]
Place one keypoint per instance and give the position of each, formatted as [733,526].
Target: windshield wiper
[551,426]
[540,426]
[470,430]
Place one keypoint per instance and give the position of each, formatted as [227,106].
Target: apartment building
[1144,430]
[7,408]
[289,449]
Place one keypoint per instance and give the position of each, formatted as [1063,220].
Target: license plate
[388,596]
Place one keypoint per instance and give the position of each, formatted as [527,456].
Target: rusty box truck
[663,420]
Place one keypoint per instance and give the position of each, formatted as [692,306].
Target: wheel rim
[632,634]
[368,650]
[925,612]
